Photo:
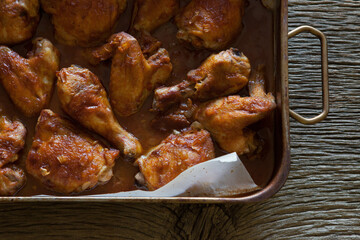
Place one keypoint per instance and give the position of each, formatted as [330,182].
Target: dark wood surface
[321,199]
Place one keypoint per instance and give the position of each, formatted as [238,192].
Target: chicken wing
[84,98]
[12,140]
[132,77]
[29,82]
[18,20]
[227,118]
[219,75]
[83,22]
[210,23]
[66,159]
[175,154]
[11,180]
[150,14]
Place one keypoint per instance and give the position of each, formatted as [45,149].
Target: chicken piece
[29,82]
[66,159]
[210,23]
[83,22]
[11,180]
[84,98]
[132,77]
[150,14]
[18,20]
[177,117]
[227,118]
[12,140]
[175,154]
[219,75]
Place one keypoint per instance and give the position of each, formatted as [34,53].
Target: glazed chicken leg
[210,23]
[29,82]
[220,74]
[132,76]
[18,20]
[84,98]
[227,118]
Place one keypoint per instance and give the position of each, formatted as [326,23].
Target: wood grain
[321,199]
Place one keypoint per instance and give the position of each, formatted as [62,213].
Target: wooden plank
[321,197]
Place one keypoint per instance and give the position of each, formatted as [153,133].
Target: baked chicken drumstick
[66,159]
[29,82]
[83,97]
[219,75]
[132,77]
[227,118]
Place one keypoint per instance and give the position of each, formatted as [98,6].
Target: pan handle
[325,79]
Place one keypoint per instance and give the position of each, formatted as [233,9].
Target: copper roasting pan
[281,136]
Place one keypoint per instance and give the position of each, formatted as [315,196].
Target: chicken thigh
[83,22]
[150,14]
[227,118]
[219,75]
[210,23]
[18,20]
[175,154]
[29,82]
[84,98]
[132,77]
[11,180]
[66,159]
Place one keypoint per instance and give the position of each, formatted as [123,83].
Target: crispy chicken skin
[227,118]
[83,97]
[150,14]
[83,22]
[66,159]
[175,154]
[132,77]
[12,140]
[219,75]
[18,20]
[29,82]
[11,180]
[210,23]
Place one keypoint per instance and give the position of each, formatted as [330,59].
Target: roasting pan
[281,133]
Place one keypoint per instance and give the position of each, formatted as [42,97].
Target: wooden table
[321,199]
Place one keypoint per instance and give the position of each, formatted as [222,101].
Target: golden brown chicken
[29,82]
[219,75]
[210,23]
[12,140]
[132,77]
[11,180]
[227,118]
[83,22]
[175,154]
[150,14]
[66,159]
[18,20]
[84,98]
